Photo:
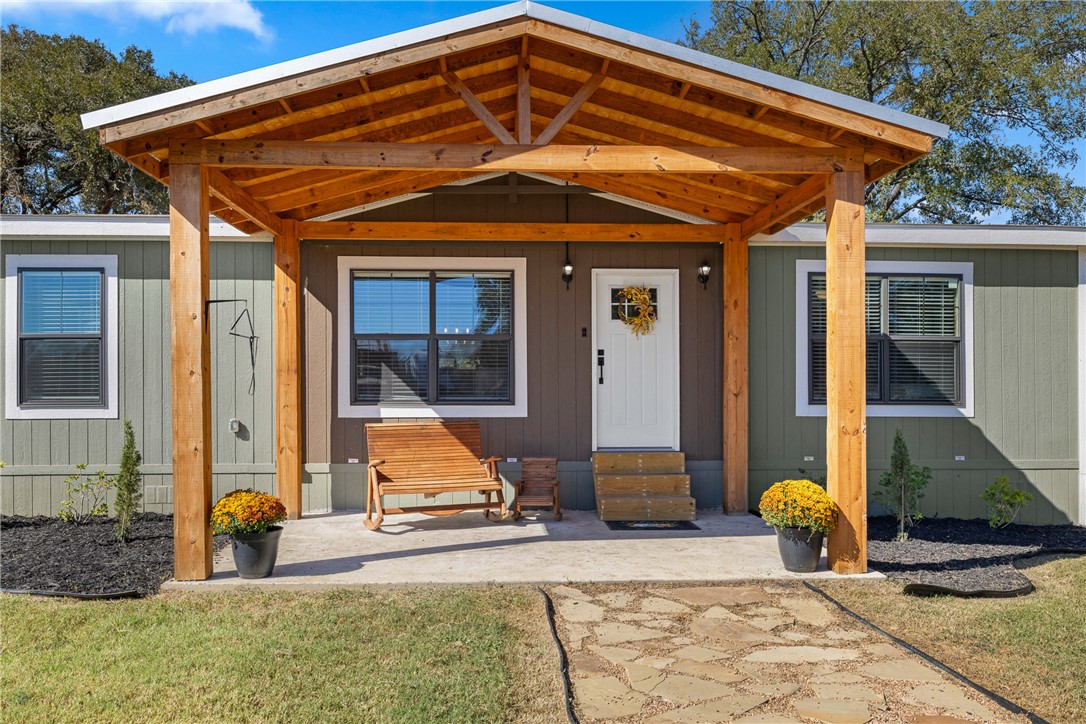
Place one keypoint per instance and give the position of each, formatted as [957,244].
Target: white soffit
[107,227]
[915,235]
[466,23]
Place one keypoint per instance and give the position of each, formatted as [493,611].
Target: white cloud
[187,17]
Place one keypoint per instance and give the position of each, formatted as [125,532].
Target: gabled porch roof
[529,89]
[520,75]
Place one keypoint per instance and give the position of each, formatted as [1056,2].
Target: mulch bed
[964,555]
[46,554]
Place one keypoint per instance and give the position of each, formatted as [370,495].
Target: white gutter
[524,9]
[107,228]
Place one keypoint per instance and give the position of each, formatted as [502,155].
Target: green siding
[1025,422]
[40,453]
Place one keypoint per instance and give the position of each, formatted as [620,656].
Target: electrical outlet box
[808,458]
[511,460]
[352,460]
[959,458]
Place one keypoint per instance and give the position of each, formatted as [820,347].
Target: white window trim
[517,265]
[805,267]
[15,262]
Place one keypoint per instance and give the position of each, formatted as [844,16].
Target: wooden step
[662,484]
[645,507]
[638,462]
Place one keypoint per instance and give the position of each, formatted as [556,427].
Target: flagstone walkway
[770,652]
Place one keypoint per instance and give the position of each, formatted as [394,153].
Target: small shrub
[1004,502]
[85,496]
[247,511]
[129,488]
[901,487]
[798,504]
[819,480]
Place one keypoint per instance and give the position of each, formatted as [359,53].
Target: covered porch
[298,149]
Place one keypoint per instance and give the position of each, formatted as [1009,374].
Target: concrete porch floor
[335,550]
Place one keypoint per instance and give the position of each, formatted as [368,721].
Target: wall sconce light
[567,268]
[703,274]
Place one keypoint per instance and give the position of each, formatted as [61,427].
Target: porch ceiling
[525,76]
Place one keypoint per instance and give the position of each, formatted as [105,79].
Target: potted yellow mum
[250,518]
[802,513]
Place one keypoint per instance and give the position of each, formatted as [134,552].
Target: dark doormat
[651,525]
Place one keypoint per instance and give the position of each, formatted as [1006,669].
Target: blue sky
[207,40]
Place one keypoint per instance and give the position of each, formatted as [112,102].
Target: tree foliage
[129,484]
[983,68]
[50,165]
[901,487]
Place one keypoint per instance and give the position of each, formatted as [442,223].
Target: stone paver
[770,652]
[833,711]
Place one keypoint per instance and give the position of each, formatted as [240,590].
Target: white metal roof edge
[108,227]
[935,235]
[524,8]
[17,227]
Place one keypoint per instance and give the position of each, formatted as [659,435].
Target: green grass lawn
[434,654]
[1031,650]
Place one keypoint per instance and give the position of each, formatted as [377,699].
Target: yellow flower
[798,504]
[246,511]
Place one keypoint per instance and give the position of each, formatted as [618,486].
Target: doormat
[651,525]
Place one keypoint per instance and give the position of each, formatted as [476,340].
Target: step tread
[643,462]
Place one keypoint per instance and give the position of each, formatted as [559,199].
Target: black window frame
[103,358]
[432,339]
[884,339]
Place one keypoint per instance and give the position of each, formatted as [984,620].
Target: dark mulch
[963,555]
[46,554]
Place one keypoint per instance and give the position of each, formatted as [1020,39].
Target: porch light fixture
[703,274]
[567,268]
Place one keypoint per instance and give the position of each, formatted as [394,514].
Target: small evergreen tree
[902,486]
[129,489]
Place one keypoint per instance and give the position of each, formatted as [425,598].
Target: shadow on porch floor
[335,550]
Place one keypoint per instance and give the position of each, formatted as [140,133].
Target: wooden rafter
[240,200]
[481,112]
[630,187]
[486,158]
[524,95]
[575,102]
[797,198]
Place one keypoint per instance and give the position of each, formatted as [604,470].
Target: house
[397,218]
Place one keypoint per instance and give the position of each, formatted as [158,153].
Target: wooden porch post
[288,369]
[191,372]
[846,355]
[736,344]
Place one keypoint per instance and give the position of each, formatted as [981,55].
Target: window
[432,337]
[62,311]
[919,350]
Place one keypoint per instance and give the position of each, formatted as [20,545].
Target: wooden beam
[490,157]
[788,202]
[736,370]
[570,109]
[481,111]
[668,196]
[846,368]
[288,369]
[506,231]
[240,200]
[524,97]
[190,346]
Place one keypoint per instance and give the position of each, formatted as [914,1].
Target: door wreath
[643,321]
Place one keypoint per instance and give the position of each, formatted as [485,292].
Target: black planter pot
[800,549]
[254,553]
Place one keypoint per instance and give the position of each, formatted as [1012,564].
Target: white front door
[635,378]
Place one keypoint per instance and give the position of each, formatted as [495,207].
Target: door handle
[599,364]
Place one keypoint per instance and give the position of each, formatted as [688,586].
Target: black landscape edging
[1001,700]
[930,589]
[563,662]
[74,594]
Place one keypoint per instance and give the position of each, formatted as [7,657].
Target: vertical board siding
[560,360]
[238,270]
[1024,322]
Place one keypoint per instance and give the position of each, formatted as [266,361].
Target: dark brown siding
[560,363]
